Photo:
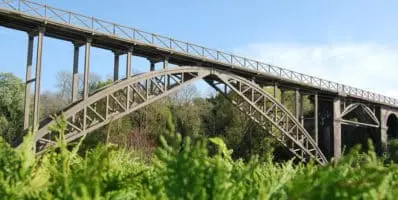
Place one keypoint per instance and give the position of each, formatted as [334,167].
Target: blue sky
[353,42]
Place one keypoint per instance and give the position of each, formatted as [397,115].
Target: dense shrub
[182,169]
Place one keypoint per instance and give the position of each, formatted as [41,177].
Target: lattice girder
[118,100]
[128,95]
[271,115]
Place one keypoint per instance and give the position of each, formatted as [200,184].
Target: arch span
[126,96]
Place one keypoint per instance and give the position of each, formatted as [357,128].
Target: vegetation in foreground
[139,166]
[185,169]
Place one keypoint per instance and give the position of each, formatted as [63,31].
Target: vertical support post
[86,68]
[128,63]
[128,76]
[316,110]
[152,66]
[166,80]
[86,76]
[38,78]
[116,66]
[282,96]
[75,76]
[302,109]
[275,89]
[383,129]
[297,103]
[165,63]
[336,128]
[28,81]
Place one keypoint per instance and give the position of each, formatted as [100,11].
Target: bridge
[337,107]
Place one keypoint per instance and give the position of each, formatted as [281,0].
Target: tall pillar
[297,104]
[75,76]
[283,96]
[28,81]
[116,66]
[38,78]
[383,129]
[165,63]
[86,68]
[302,109]
[316,110]
[128,63]
[152,66]
[336,128]
[275,89]
[166,77]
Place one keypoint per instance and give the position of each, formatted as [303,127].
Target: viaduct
[342,115]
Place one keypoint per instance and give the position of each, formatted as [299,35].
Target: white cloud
[371,67]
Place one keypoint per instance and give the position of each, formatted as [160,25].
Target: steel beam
[28,81]
[128,63]
[302,109]
[316,110]
[86,68]
[336,128]
[165,66]
[152,68]
[297,103]
[38,78]
[75,75]
[283,97]
[359,124]
[165,63]
[116,66]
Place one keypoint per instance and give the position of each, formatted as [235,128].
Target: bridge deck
[28,16]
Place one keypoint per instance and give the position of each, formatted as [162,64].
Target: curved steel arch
[117,100]
[129,95]
[269,113]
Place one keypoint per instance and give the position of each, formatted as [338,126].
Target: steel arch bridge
[128,95]
[338,109]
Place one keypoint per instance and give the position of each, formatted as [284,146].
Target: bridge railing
[95,25]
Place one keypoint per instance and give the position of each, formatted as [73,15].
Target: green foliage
[11,107]
[356,176]
[185,171]
[393,150]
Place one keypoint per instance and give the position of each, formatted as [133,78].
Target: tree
[64,84]
[51,103]
[185,95]
[11,107]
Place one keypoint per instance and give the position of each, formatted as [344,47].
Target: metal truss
[118,100]
[97,26]
[129,95]
[364,113]
[269,114]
